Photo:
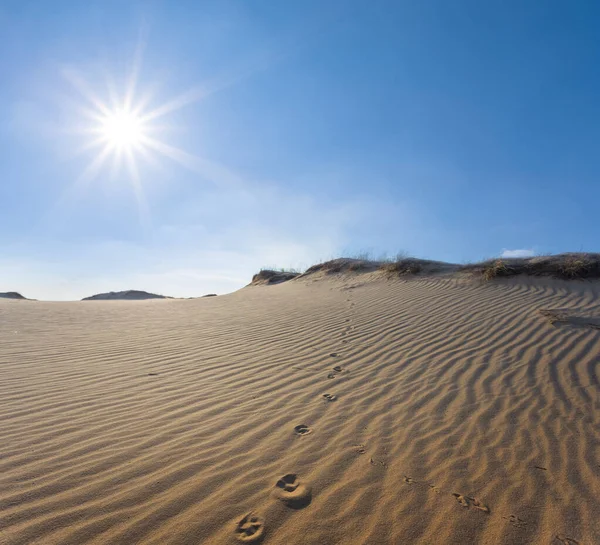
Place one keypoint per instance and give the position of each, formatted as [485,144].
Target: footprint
[360,449]
[408,480]
[478,505]
[334,355]
[152,374]
[250,529]
[336,369]
[434,488]
[462,500]
[302,429]
[292,491]
[566,540]
[377,463]
[330,397]
[515,521]
[467,501]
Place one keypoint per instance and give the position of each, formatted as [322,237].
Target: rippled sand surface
[457,413]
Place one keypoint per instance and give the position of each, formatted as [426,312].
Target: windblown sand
[462,415]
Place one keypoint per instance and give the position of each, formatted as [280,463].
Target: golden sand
[349,409]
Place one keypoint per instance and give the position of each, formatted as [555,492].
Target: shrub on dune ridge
[403,266]
[270,276]
[569,266]
[340,264]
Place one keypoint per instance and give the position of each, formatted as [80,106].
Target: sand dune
[11,295]
[131,295]
[342,409]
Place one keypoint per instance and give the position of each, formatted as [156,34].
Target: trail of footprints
[296,494]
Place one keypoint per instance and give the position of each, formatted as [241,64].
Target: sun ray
[94,167]
[113,94]
[96,143]
[213,86]
[177,103]
[209,170]
[138,190]
[135,70]
[81,85]
[150,159]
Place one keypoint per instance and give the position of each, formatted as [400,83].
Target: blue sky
[296,132]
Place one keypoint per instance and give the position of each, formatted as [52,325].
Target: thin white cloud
[517,253]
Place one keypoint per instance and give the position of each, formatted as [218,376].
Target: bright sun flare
[122,130]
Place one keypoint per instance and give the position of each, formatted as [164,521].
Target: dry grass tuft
[402,267]
[269,276]
[577,266]
[494,269]
[342,264]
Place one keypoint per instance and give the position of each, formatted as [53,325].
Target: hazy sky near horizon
[285,133]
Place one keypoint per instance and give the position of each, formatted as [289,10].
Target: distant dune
[130,295]
[360,403]
[11,295]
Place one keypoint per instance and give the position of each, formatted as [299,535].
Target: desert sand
[329,409]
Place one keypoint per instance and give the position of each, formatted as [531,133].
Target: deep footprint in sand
[467,501]
[374,462]
[330,397]
[292,491]
[336,370]
[565,540]
[461,499]
[408,480]
[250,529]
[302,429]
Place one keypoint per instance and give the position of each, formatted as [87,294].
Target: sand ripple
[464,413]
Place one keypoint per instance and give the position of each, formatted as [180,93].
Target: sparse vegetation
[402,266]
[291,270]
[570,266]
[564,266]
[270,276]
[498,268]
[343,264]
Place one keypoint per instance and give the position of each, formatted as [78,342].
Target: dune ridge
[458,412]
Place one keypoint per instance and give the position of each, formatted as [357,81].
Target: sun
[123,130]
[118,127]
